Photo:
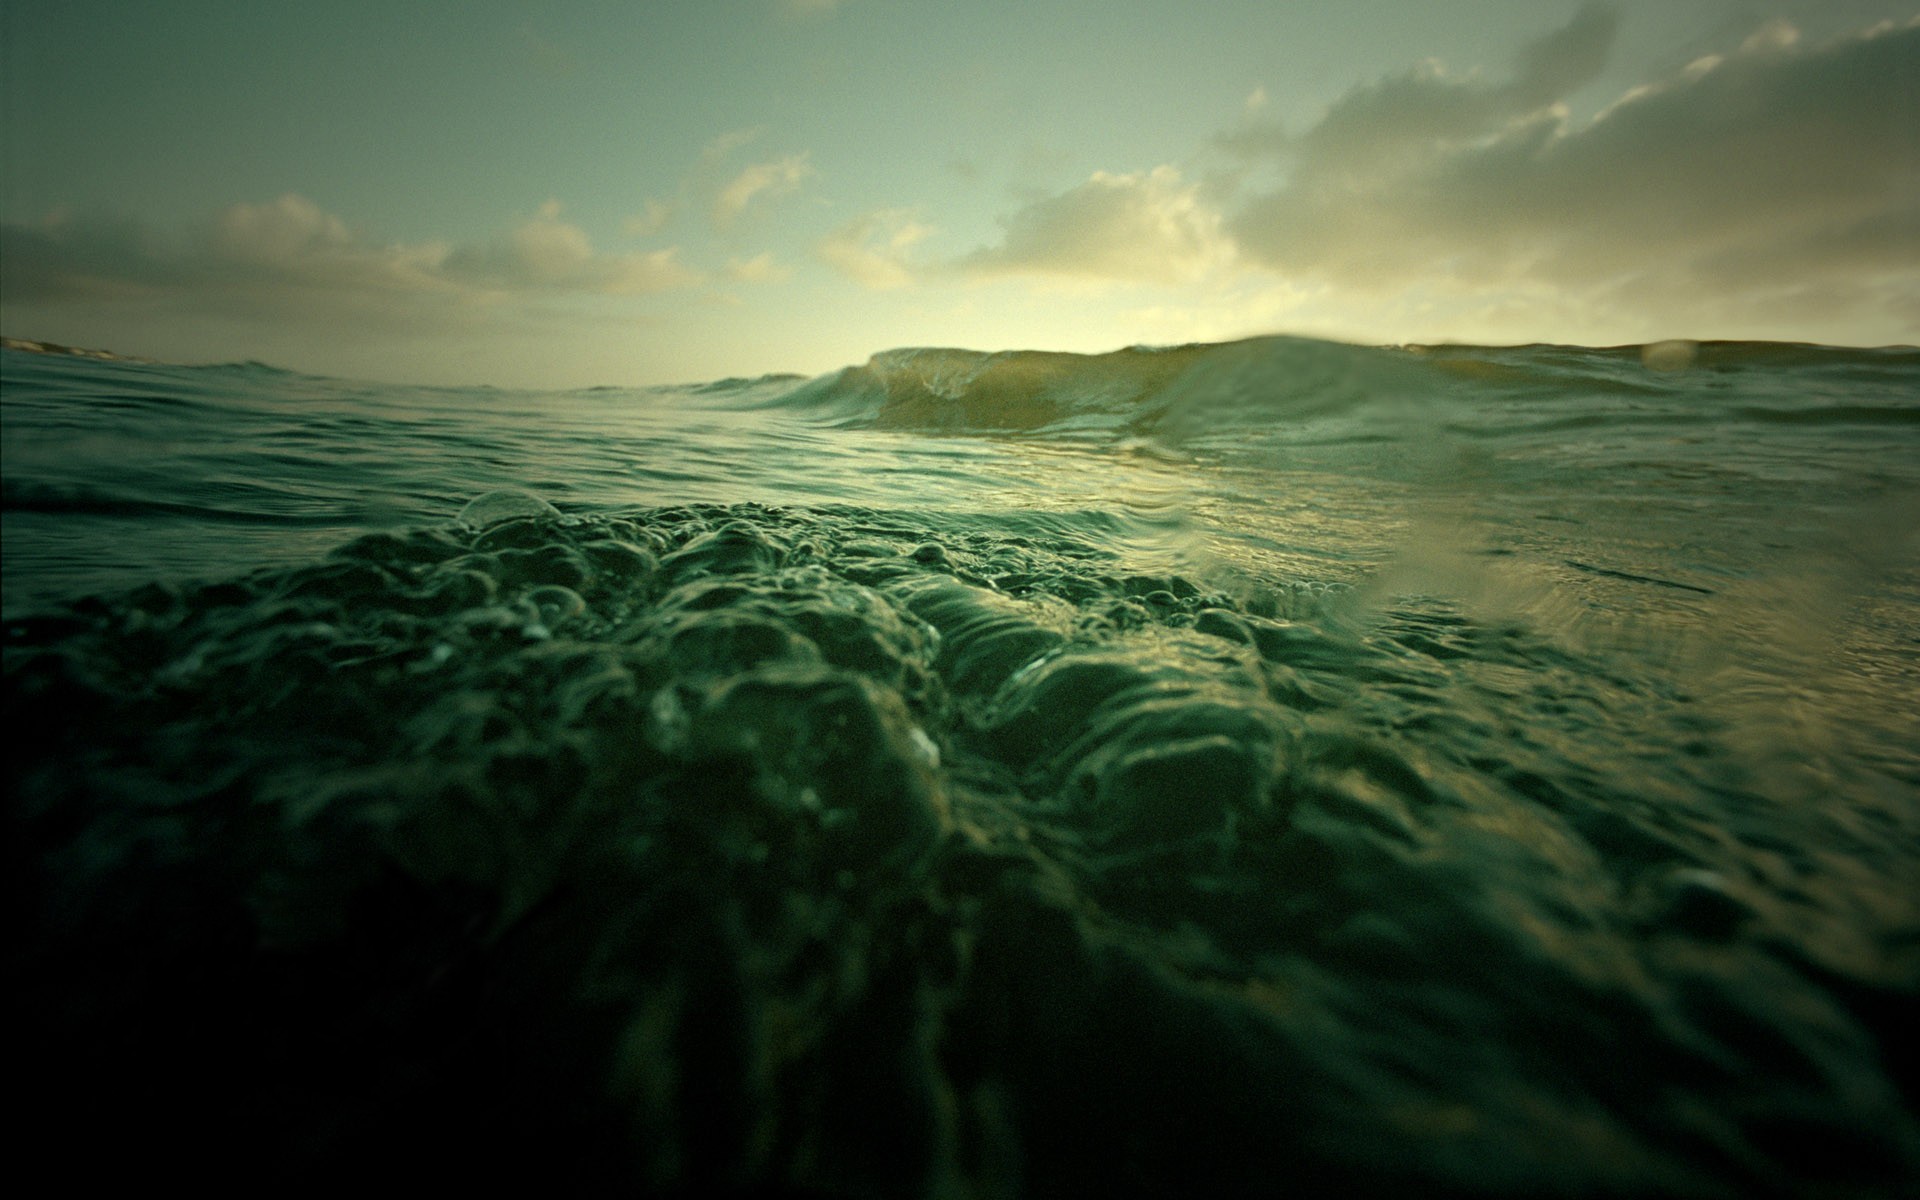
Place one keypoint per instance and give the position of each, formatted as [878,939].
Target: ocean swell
[1223,393]
[1169,391]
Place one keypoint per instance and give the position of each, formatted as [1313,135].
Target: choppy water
[1275,765]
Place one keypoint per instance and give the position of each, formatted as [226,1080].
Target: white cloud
[872,249]
[286,244]
[1144,227]
[548,254]
[547,250]
[726,143]
[655,271]
[775,178]
[761,268]
[280,231]
[728,193]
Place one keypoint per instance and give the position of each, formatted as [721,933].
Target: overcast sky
[572,193]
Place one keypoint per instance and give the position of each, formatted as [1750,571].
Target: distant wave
[1138,389]
[1174,392]
[1141,388]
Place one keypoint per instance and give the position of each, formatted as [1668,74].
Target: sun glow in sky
[577,192]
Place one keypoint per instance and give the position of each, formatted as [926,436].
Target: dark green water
[1271,767]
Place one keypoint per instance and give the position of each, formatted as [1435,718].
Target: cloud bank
[289,261]
[1771,190]
[1772,171]
[1754,188]
[288,257]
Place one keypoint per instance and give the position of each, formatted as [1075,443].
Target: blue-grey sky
[579,192]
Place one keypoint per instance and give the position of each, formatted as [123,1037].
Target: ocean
[1272,766]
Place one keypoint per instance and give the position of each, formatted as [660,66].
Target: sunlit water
[1453,769]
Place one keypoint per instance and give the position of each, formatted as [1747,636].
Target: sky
[576,193]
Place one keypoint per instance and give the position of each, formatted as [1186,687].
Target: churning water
[1276,765]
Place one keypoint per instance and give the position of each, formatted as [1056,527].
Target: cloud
[547,251]
[775,178]
[547,254]
[726,143]
[1145,227]
[280,231]
[288,258]
[1402,120]
[1565,60]
[761,268]
[651,219]
[872,248]
[654,271]
[287,247]
[740,189]
[1742,180]
[1769,190]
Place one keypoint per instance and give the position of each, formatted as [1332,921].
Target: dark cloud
[1406,116]
[1381,127]
[104,259]
[289,258]
[1769,168]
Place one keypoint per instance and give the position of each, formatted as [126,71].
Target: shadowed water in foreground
[981,848]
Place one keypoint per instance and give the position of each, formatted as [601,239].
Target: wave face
[1439,771]
[1263,383]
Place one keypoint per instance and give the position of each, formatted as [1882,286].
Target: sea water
[1274,765]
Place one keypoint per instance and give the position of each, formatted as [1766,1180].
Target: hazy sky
[571,193]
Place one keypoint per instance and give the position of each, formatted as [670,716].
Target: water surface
[1452,769]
